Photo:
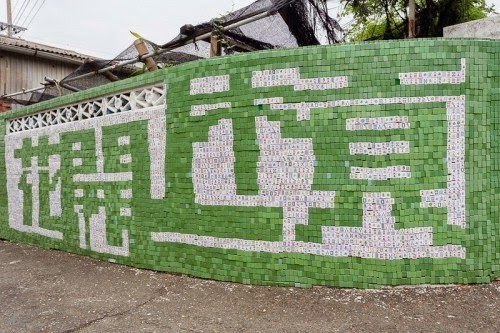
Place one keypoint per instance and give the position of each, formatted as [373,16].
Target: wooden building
[25,64]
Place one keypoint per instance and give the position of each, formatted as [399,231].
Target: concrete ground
[51,291]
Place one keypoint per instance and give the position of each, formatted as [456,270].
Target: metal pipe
[140,58]
[24,91]
[62,84]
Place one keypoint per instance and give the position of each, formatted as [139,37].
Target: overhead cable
[29,13]
[36,13]
[21,11]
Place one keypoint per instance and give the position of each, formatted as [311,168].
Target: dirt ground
[51,291]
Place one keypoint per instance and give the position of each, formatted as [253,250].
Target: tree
[388,19]
[307,18]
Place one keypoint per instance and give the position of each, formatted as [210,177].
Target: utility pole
[11,29]
[411,18]
[9,19]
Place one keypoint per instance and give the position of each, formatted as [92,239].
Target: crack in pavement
[158,293]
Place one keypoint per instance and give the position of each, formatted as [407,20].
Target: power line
[29,13]
[32,5]
[15,6]
[36,13]
[21,11]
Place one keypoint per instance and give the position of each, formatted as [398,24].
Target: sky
[101,28]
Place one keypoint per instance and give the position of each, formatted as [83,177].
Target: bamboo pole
[215,47]
[141,48]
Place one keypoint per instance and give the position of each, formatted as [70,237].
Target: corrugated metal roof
[63,54]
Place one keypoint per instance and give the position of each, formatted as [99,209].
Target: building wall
[19,71]
[356,165]
[485,28]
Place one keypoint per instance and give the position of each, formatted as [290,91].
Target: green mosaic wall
[356,165]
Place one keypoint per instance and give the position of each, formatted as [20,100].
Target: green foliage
[388,19]
[135,34]
[218,33]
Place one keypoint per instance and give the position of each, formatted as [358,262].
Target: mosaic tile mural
[356,165]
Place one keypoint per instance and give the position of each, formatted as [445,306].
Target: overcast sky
[101,28]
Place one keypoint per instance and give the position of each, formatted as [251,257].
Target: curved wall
[355,165]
